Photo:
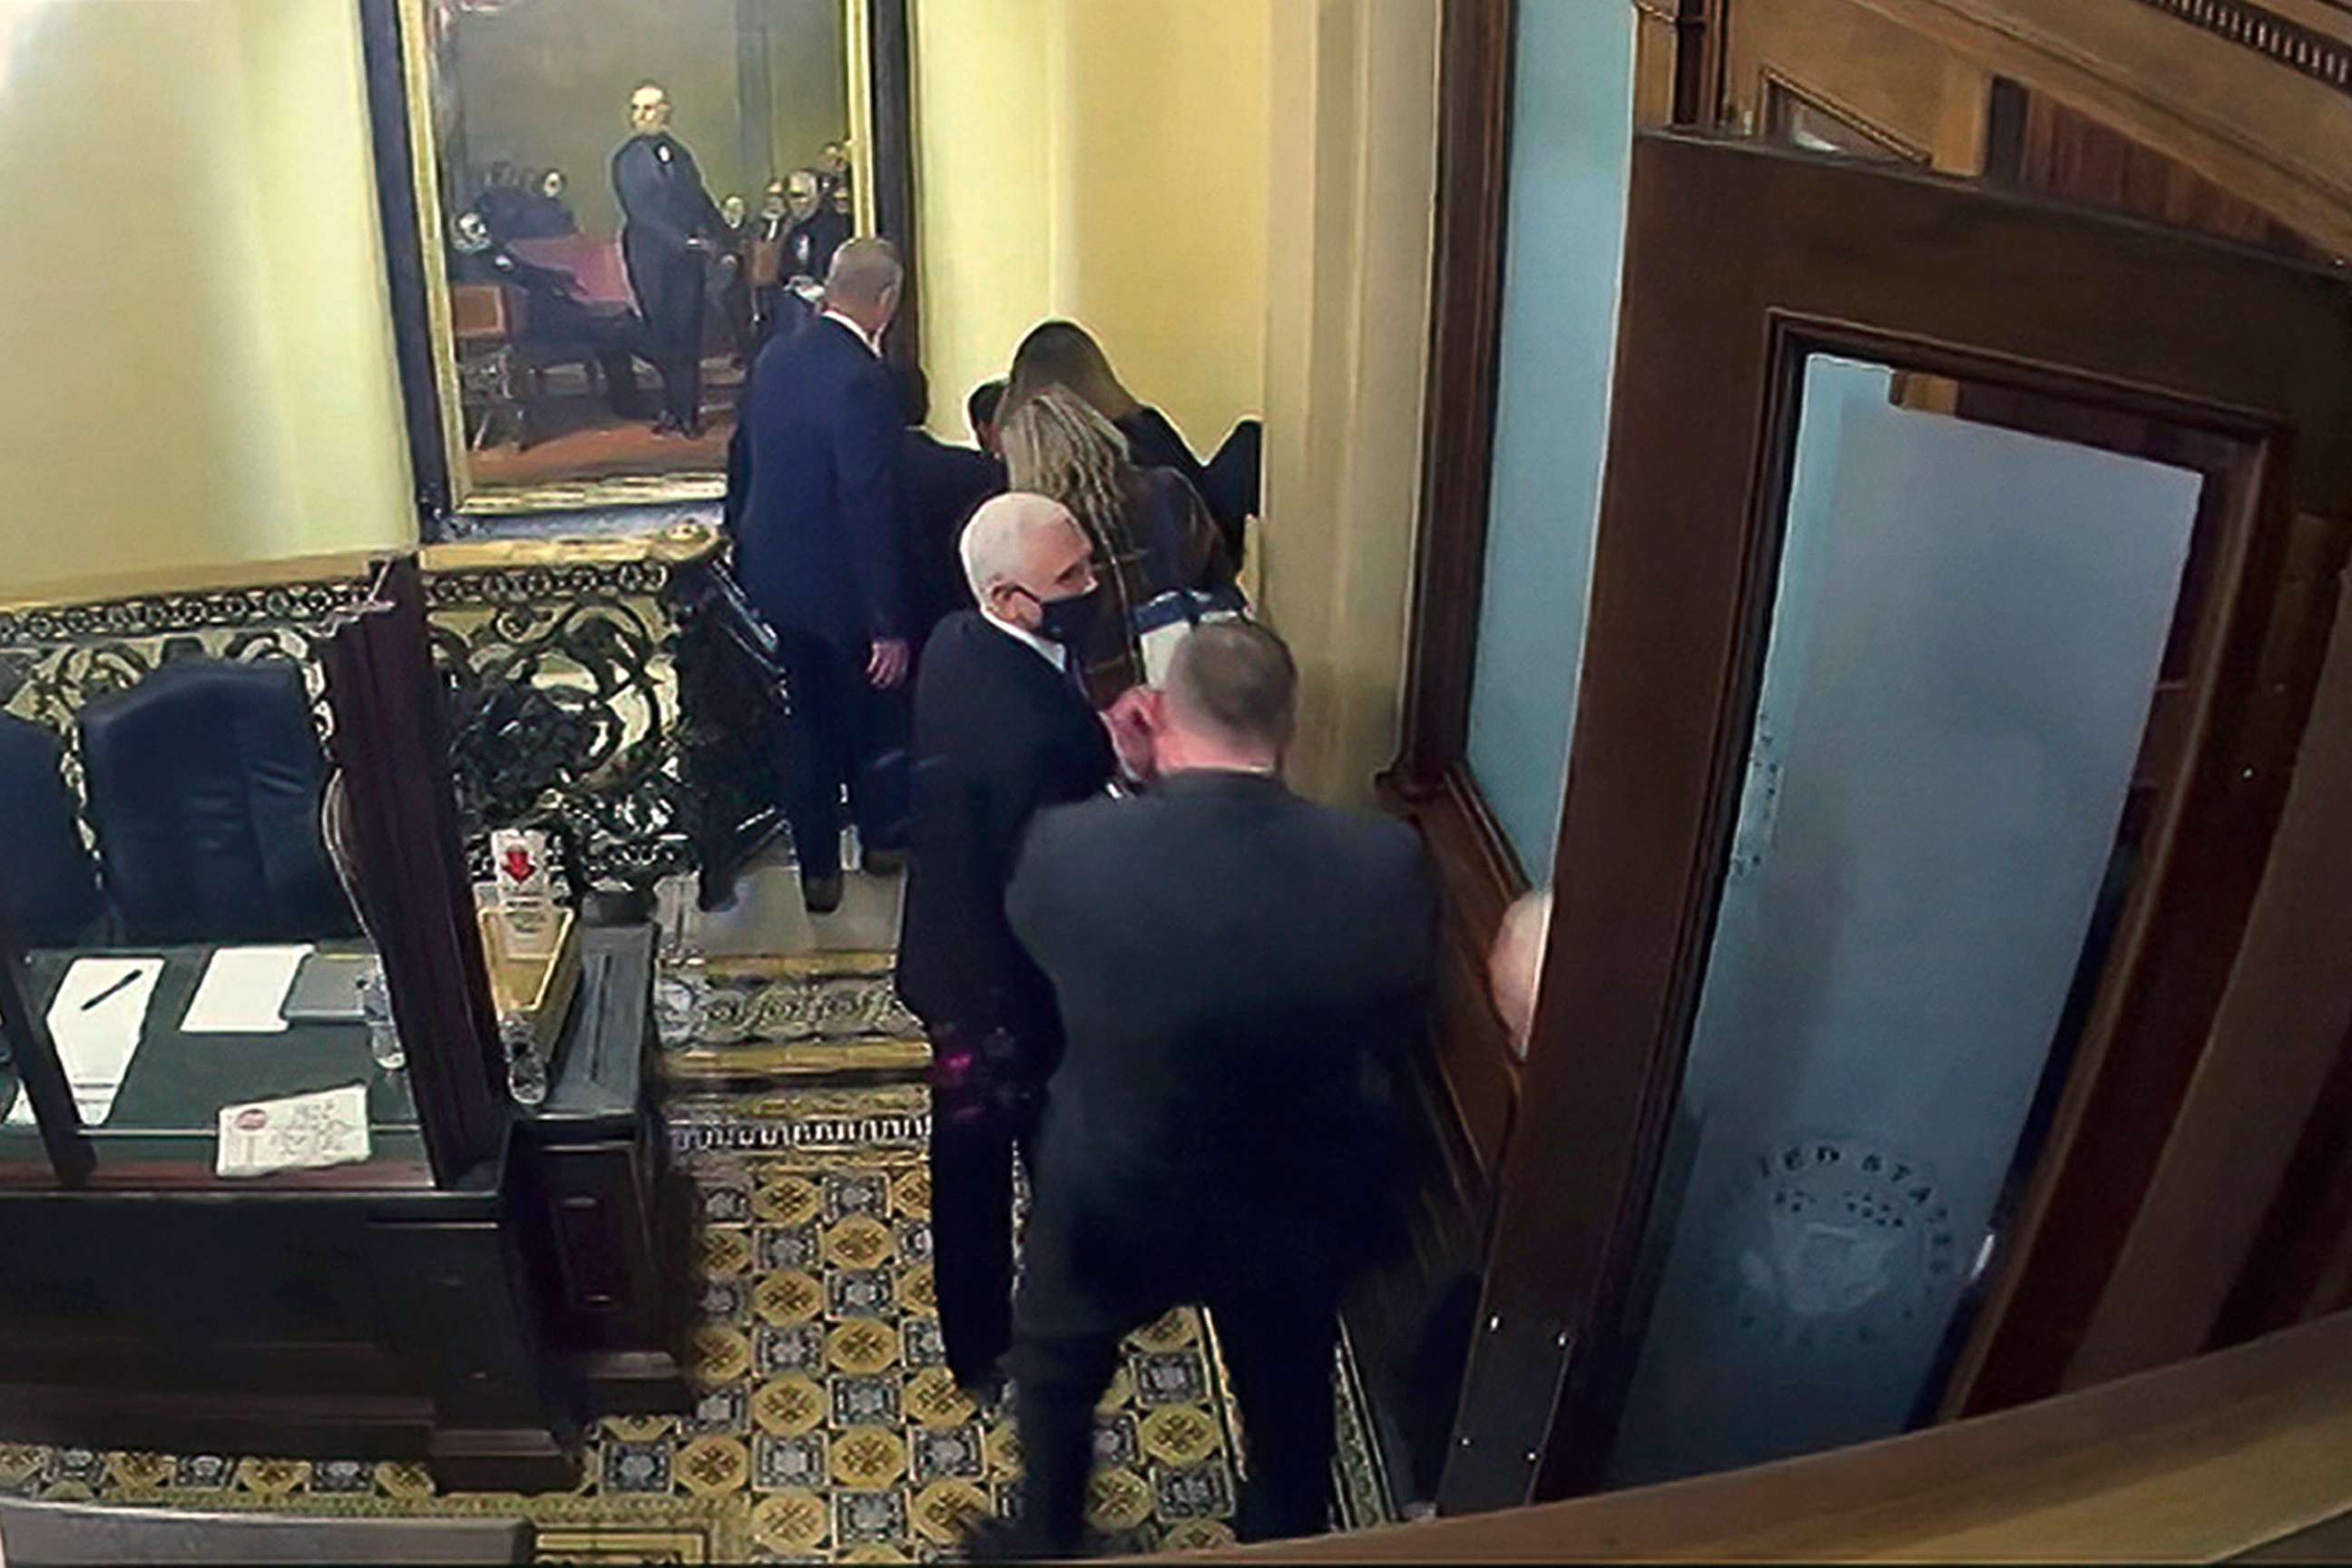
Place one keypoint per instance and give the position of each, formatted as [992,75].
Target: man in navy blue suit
[819,553]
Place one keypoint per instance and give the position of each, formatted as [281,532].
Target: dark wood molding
[1458,433]
[2304,50]
[381,53]
[391,744]
[890,44]
[40,1074]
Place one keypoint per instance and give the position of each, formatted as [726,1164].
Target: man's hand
[886,666]
[1129,720]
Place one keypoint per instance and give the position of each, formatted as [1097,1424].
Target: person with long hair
[1151,534]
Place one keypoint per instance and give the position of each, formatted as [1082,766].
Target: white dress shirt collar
[1053,653]
[872,343]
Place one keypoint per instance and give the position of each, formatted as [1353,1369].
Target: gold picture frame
[411,47]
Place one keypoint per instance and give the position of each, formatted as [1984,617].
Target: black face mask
[1066,621]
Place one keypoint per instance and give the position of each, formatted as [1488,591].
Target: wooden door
[2122,853]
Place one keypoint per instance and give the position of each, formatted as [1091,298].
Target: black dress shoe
[1005,1541]
[821,894]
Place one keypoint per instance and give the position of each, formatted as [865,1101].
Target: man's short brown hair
[1238,678]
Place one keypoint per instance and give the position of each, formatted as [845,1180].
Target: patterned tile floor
[826,1427]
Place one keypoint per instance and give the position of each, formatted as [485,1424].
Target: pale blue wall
[1571,137]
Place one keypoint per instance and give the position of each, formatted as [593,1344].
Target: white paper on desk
[95,1044]
[243,991]
[300,1133]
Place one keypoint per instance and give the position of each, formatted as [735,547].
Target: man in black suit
[1001,730]
[818,230]
[669,230]
[819,555]
[940,487]
[1235,969]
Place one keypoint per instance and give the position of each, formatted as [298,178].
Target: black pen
[122,984]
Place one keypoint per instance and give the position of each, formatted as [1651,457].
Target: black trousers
[843,735]
[669,288]
[1276,1324]
[971,1240]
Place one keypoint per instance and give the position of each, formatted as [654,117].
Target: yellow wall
[1354,145]
[1105,160]
[199,361]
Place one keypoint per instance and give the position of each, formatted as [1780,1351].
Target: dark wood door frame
[2249,350]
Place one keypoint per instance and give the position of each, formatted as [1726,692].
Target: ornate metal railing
[562,658]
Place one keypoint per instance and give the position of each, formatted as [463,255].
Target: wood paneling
[2059,303]
[2199,1462]
[2064,153]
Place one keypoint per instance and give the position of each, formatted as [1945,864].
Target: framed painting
[597,212]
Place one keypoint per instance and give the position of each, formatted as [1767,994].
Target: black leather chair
[203,783]
[48,883]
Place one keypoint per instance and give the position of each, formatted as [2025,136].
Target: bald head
[1022,551]
[864,282]
[1515,967]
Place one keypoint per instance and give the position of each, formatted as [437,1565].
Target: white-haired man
[818,552]
[1002,729]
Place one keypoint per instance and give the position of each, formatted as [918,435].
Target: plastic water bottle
[526,1068]
[376,1008]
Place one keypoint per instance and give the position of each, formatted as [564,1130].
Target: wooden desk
[353,1312]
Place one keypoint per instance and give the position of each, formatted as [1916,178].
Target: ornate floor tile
[788,1406]
[1169,1377]
[862,1345]
[825,1426]
[793,1246]
[787,1296]
[636,1467]
[868,1518]
[934,1400]
[787,1200]
[1118,1497]
[1116,1441]
[919,1291]
[858,1292]
[868,1459]
[944,1510]
[790,1523]
[726,1252]
[142,1471]
[1179,1435]
[727,1408]
[711,1464]
[860,1241]
[919,1337]
[775,1352]
[723,1301]
[865,1401]
[780,1464]
[720,1354]
[1193,1491]
[947,1453]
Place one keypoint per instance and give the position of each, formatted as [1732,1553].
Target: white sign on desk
[243,991]
[300,1133]
[96,1018]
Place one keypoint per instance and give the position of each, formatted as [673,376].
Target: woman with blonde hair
[1157,552]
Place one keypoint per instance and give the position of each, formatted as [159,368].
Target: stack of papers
[300,1133]
[243,991]
[96,1019]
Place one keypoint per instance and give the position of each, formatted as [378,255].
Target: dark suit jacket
[663,201]
[940,486]
[1235,968]
[999,733]
[809,244]
[817,547]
